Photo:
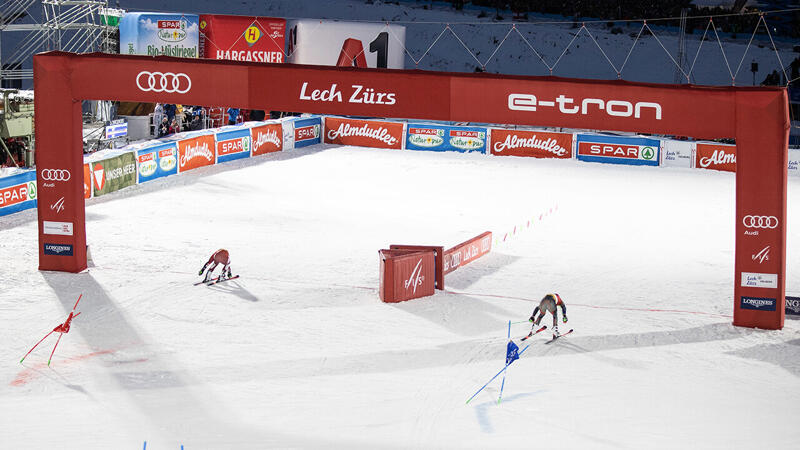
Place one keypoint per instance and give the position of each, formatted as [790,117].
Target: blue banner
[634,151]
[307,131]
[17,192]
[443,138]
[512,352]
[792,306]
[156,162]
[234,144]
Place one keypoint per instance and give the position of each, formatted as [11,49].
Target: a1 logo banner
[715,157]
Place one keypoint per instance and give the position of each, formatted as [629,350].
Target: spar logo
[588,106]
[147,164]
[380,134]
[758,303]
[167,160]
[17,194]
[172,30]
[306,133]
[426,137]
[513,141]
[467,140]
[200,150]
[610,150]
[238,145]
[416,278]
[761,256]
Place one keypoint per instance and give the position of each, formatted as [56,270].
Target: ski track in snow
[300,353]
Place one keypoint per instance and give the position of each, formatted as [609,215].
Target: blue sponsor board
[443,138]
[793,306]
[156,162]
[117,129]
[618,150]
[18,192]
[58,249]
[758,303]
[307,131]
[232,145]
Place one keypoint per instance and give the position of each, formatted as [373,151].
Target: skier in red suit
[219,257]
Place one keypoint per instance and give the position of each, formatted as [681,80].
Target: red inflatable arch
[757,118]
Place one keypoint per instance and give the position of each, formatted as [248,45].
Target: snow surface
[300,353]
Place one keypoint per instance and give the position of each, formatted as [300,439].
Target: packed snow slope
[300,353]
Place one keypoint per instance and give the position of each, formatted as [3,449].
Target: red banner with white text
[538,144]
[363,133]
[715,157]
[196,152]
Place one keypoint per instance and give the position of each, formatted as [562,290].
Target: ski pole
[503,384]
[54,349]
[498,374]
[29,351]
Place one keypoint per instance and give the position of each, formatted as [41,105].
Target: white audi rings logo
[56,175]
[760,222]
[171,83]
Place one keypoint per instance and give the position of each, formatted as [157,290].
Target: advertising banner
[793,306]
[538,144]
[406,274]
[116,129]
[87,182]
[18,192]
[443,138]
[156,162]
[618,150]
[196,152]
[155,34]
[233,145]
[329,43]
[307,131]
[709,155]
[114,173]
[794,162]
[467,252]
[363,133]
[267,138]
[677,153]
[242,38]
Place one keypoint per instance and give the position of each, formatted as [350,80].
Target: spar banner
[337,43]
[443,138]
[156,162]
[114,173]
[87,182]
[233,145]
[307,131]
[364,133]
[18,192]
[242,38]
[538,144]
[267,138]
[709,155]
[196,152]
[794,162]
[155,34]
[634,151]
[677,153]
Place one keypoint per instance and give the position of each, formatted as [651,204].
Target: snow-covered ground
[300,353]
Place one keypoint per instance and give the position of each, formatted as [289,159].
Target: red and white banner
[538,144]
[363,133]
[715,157]
[406,274]
[242,38]
[87,182]
[267,138]
[467,252]
[196,152]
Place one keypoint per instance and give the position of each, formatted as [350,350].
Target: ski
[544,327]
[560,335]
[217,280]
[206,281]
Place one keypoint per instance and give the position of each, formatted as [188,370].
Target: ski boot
[556,334]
